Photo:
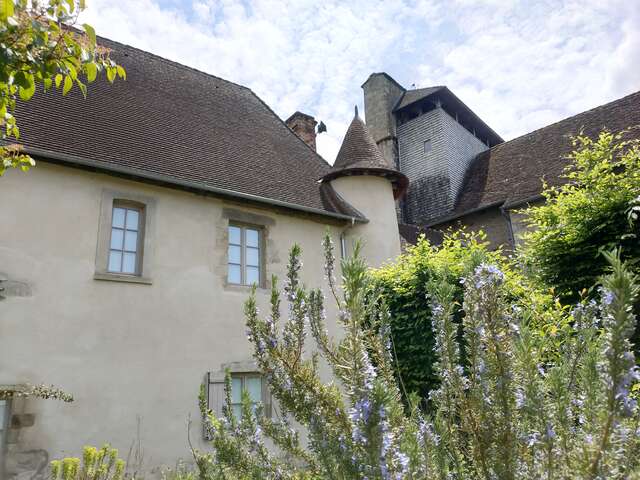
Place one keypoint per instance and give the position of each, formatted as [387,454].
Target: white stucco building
[127,253]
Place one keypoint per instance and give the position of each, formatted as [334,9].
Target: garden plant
[508,406]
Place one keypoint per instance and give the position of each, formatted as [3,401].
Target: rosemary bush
[508,412]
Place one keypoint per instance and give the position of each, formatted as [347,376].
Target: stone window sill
[114,277]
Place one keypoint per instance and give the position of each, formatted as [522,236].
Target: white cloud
[523,65]
[519,66]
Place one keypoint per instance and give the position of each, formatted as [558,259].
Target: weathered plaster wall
[129,350]
[373,196]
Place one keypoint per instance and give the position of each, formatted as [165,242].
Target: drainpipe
[507,218]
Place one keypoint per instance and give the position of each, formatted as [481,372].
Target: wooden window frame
[127,206]
[243,253]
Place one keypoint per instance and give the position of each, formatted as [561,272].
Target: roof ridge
[584,112]
[172,62]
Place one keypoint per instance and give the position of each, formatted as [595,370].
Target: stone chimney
[304,126]
[381,93]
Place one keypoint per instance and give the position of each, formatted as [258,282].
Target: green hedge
[404,286]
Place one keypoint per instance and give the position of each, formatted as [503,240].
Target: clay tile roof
[359,155]
[512,172]
[178,124]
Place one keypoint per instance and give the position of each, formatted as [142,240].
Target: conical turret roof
[359,155]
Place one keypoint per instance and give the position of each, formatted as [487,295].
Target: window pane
[115,260]
[234,254]
[130,241]
[253,257]
[234,274]
[236,389]
[252,237]
[118,217]
[237,411]
[129,263]
[234,235]
[132,219]
[116,238]
[253,386]
[253,275]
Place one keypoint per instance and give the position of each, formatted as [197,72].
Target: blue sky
[519,65]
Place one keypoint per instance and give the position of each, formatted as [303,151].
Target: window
[124,247]
[125,238]
[4,426]
[252,384]
[427,146]
[244,255]
[244,377]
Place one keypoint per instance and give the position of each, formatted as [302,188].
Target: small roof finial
[356,108]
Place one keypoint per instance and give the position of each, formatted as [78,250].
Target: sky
[520,65]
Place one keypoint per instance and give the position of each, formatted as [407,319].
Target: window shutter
[215,396]
[266,397]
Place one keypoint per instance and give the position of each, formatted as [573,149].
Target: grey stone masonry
[381,93]
[434,152]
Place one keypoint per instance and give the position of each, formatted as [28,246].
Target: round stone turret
[361,177]
[359,155]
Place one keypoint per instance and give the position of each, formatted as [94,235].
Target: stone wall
[490,221]
[131,353]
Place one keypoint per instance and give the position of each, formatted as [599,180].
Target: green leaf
[121,72]
[91,33]
[27,93]
[21,79]
[6,9]
[92,71]
[68,83]
[58,80]
[27,85]
[111,74]
[83,88]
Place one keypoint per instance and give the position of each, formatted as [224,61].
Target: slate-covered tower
[430,136]
[363,178]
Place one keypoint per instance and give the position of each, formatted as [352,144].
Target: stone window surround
[246,367]
[262,223]
[148,208]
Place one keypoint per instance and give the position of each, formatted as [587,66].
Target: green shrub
[404,287]
[96,464]
[511,412]
[592,212]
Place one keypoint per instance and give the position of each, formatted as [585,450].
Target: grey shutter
[215,395]
[266,397]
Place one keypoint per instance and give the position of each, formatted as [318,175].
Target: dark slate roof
[413,101]
[412,96]
[181,125]
[360,155]
[511,173]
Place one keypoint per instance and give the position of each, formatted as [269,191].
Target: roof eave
[399,181]
[166,179]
